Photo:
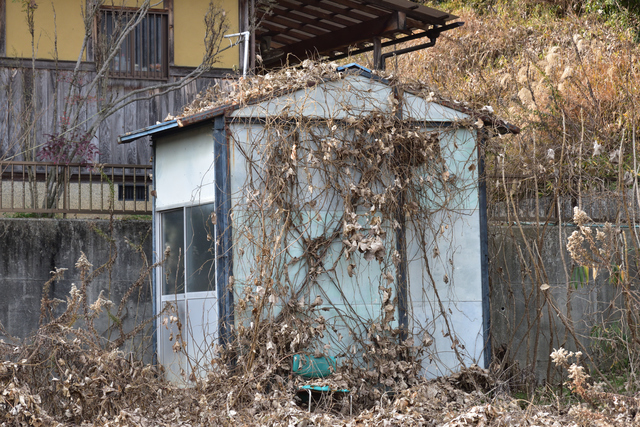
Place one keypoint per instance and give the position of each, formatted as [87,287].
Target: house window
[143,53]
[130,192]
[192,268]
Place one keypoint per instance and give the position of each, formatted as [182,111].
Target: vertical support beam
[246,10]
[378,62]
[155,287]
[402,288]
[402,281]
[243,25]
[168,4]
[3,27]
[224,248]
[252,39]
[484,250]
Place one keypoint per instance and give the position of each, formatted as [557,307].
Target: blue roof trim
[352,66]
[363,71]
[175,123]
[149,130]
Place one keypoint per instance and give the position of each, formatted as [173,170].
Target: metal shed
[288,177]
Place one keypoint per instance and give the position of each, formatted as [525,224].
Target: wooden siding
[3,28]
[17,83]
[59,30]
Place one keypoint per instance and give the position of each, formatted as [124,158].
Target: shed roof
[289,30]
[220,108]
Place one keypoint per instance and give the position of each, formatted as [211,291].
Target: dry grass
[570,81]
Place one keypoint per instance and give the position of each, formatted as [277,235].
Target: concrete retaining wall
[31,248]
[520,313]
[524,321]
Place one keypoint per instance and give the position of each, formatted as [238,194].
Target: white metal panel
[464,324]
[199,333]
[174,362]
[184,168]
[361,95]
[459,150]
[453,279]
[446,269]
[203,332]
[241,134]
[456,239]
[418,108]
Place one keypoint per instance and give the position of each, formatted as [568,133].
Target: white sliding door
[188,330]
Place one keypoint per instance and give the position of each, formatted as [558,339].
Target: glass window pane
[173,237]
[108,26]
[124,55]
[201,271]
[152,38]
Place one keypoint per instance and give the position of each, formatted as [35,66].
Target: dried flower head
[83,263]
[560,356]
[580,217]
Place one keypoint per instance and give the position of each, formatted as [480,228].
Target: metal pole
[378,60]
[242,37]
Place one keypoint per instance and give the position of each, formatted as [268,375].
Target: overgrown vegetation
[566,72]
[567,75]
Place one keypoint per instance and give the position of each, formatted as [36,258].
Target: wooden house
[166,45]
[51,53]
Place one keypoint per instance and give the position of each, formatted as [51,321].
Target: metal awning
[290,30]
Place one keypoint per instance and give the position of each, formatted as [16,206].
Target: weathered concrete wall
[520,312]
[31,248]
[524,321]
[599,206]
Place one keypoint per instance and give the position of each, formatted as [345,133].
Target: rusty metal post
[65,193]
[378,61]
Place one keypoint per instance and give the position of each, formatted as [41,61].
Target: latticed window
[143,53]
[133,192]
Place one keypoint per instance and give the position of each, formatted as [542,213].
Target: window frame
[196,311]
[183,268]
[130,42]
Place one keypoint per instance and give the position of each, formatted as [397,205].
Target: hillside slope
[564,78]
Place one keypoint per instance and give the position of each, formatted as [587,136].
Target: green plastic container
[313,367]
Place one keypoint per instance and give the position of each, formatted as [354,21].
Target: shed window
[143,53]
[192,269]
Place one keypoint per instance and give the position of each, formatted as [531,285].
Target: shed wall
[443,243]
[184,168]
[449,283]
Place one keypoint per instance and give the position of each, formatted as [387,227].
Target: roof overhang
[175,124]
[170,126]
[290,30]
